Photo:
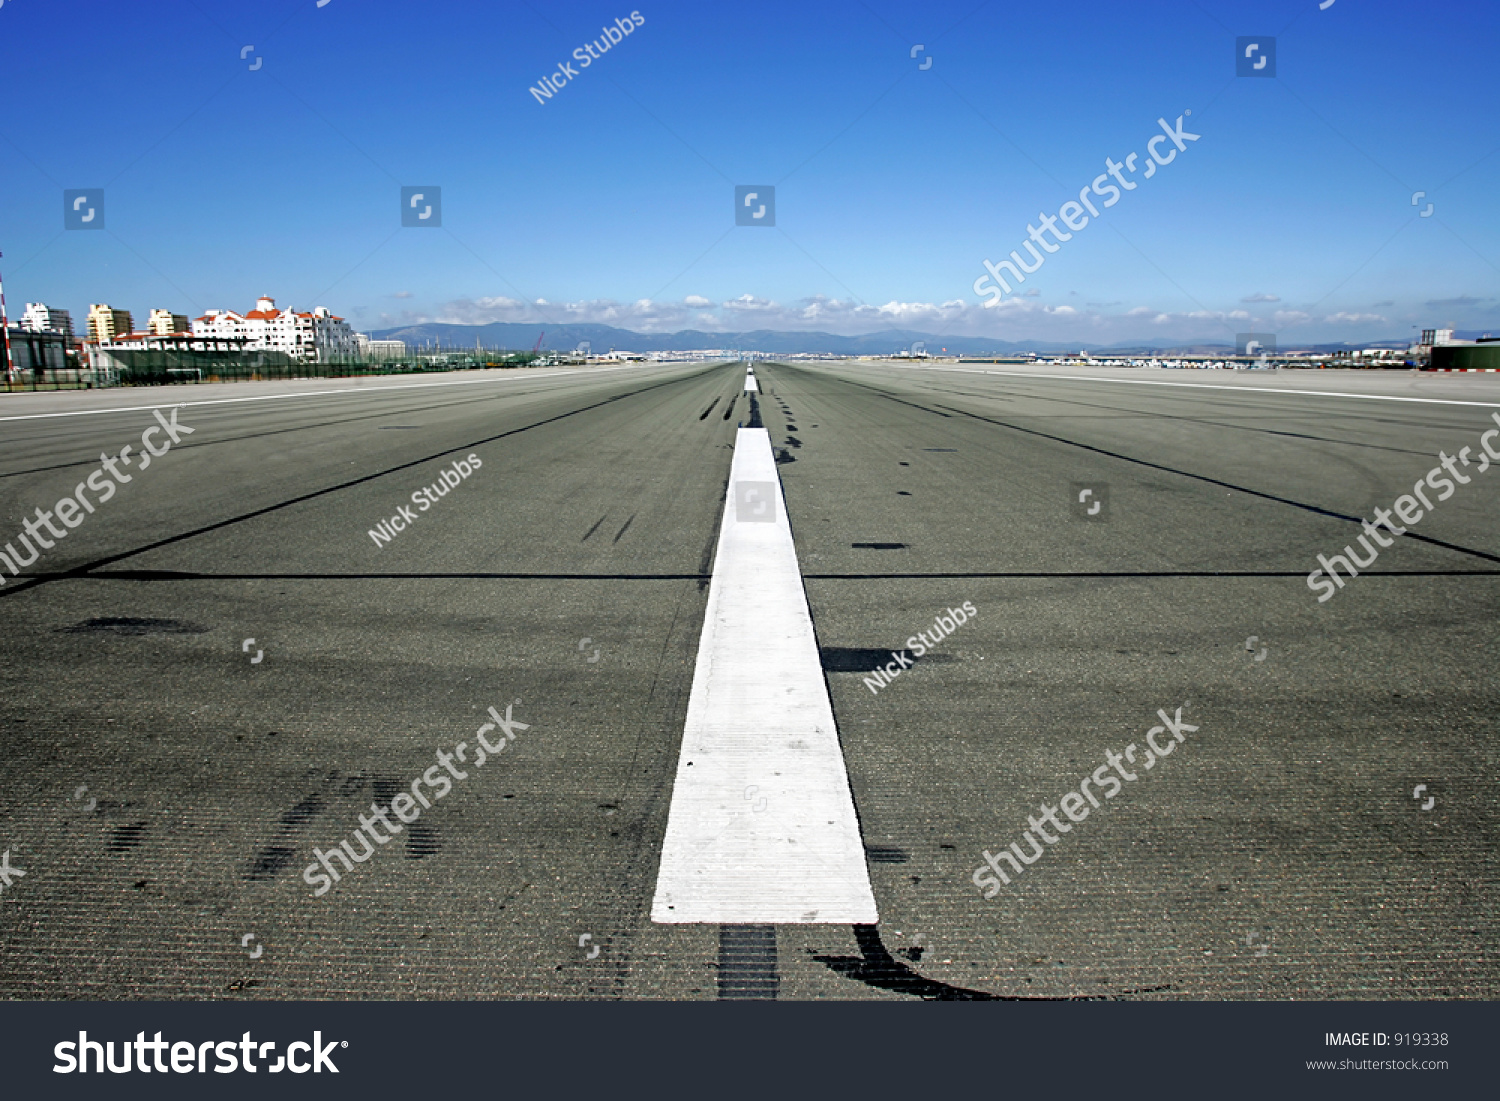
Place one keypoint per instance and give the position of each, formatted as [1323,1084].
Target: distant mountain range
[603,338]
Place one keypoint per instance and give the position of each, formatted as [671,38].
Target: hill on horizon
[603,338]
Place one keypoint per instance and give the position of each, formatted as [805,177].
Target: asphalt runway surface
[219,671]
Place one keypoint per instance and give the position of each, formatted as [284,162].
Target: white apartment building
[39,318]
[315,337]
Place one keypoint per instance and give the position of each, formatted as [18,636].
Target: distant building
[316,337]
[1369,357]
[44,319]
[1422,352]
[173,342]
[1481,355]
[106,323]
[379,351]
[36,349]
[165,322]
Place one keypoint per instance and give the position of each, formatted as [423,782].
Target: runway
[1122,536]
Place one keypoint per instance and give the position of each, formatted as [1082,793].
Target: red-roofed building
[316,337]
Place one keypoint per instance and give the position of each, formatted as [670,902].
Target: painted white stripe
[750,384]
[762,828]
[1225,389]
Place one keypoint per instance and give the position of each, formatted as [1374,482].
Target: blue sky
[613,201]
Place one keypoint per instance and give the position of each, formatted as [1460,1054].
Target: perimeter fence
[173,368]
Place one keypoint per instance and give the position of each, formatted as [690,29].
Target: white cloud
[750,303]
[696,302]
[1352,318]
[482,311]
[1260,298]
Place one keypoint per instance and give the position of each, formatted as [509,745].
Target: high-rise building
[106,323]
[165,323]
[314,337]
[40,318]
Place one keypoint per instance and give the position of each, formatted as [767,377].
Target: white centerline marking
[762,828]
[751,387]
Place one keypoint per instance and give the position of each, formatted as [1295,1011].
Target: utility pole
[10,363]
